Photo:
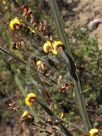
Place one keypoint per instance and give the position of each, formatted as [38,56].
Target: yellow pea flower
[25,114]
[47,47]
[94,132]
[57,44]
[40,65]
[52,47]
[14,22]
[31,97]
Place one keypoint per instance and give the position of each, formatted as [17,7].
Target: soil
[87,11]
[79,13]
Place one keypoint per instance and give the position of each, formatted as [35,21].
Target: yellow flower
[25,114]
[47,47]
[31,97]
[40,65]
[14,23]
[52,47]
[57,44]
[93,132]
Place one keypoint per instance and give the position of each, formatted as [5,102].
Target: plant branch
[71,65]
[12,55]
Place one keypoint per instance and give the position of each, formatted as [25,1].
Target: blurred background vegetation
[19,75]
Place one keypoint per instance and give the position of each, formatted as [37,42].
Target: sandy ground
[88,10]
[81,13]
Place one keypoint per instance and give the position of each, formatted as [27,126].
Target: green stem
[12,55]
[71,66]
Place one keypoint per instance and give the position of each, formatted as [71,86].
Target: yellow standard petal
[93,132]
[14,22]
[47,46]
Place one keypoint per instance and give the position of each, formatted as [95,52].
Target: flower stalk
[71,65]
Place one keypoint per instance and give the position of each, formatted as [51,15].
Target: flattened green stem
[59,24]
[12,55]
[71,66]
